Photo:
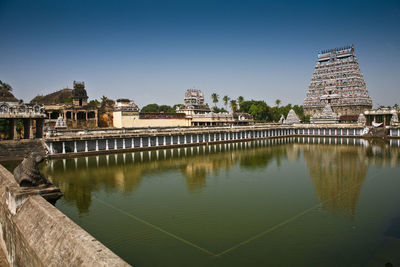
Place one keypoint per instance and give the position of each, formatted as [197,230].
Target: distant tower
[79,95]
[337,80]
[194,103]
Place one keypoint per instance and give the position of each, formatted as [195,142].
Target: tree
[5,86]
[214,98]
[154,108]
[240,100]
[103,99]
[167,109]
[226,100]
[219,110]
[234,106]
[94,102]
[277,102]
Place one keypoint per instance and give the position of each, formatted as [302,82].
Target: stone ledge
[38,234]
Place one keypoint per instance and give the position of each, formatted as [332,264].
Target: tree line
[259,109]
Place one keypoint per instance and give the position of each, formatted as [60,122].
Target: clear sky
[152,51]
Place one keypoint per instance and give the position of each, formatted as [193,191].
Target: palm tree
[277,102]
[214,98]
[240,100]
[226,100]
[104,99]
[5,86]
[234,106]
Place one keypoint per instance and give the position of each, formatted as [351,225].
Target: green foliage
[277,112]
[226,100]
[234,105]
[19,126]
[4,128]
[103,99]
[215,98]
[258,109]
[94,102]
[219,110]
[154,108]
[167,109]
[5,86]
[240,100]
[278,102]
[68,100]
[150,108]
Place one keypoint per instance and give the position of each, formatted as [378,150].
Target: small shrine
[60,123]
[361,119]
[326,117]
[292,118]
[395,119]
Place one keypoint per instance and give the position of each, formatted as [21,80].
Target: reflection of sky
[151,51]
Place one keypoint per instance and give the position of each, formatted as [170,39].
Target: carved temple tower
[337,80]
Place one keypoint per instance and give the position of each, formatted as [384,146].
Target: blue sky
[152,51]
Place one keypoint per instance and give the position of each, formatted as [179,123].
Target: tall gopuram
[337,80]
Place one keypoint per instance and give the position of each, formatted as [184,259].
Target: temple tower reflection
[337,173]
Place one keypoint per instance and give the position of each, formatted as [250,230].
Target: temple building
[194,112]
[337,81]
[15,114]
[71,105]
[194,103]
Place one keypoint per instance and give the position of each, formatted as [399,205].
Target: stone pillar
[75,149]
[191,138]
[123,143]
[51,148]
[133,143]
[149,141]
[14,129]
[165,140]
[156,140]
[28,128]
[185,139]
[141,141]
[86,146]
[107,144]
[97,145]
[39,128]
[63,147]
[115,143]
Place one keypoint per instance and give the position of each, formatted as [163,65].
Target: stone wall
[16,150]
[35,233]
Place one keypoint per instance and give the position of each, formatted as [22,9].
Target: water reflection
[337,173]
[336,166]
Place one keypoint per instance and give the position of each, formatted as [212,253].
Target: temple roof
[7,96]
[58,97]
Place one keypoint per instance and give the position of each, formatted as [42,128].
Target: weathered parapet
[80,142]
[34,233]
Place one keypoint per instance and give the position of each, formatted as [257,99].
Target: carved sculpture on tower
[337,81]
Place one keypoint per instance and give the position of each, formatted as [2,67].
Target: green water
[244,204]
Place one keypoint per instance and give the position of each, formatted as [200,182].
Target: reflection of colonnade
[337,173]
